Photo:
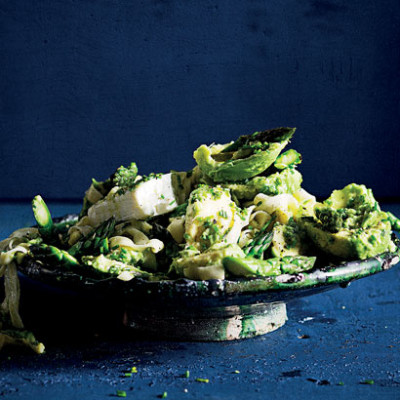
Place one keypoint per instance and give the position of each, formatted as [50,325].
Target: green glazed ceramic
[210,310]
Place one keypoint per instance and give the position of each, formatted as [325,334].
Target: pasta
[239,213]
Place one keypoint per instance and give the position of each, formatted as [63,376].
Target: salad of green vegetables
[239,213]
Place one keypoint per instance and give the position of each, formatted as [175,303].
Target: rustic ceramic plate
[210,310]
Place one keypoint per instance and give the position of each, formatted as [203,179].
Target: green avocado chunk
[286,240]
[350,224]
[247,157]
[351,244]
[250,266]
[287,159]
[286,181]
[207,265]
[107,265]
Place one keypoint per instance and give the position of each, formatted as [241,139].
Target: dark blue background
[86,86]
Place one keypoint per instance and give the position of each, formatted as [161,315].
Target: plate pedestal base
[211,323]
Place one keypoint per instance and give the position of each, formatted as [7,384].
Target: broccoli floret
[333,220]
[125,177]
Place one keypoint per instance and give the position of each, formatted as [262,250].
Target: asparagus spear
[261,241]
[53,255]
[42,216]
[95,242]
[394,221]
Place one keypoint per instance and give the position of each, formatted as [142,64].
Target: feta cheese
[149,198]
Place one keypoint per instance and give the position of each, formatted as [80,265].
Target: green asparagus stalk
[96,242]
[53,255]
[261,241]
[394,221]
[42,216]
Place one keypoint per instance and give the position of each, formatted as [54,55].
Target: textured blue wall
[86,86]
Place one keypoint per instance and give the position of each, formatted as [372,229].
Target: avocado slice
[350,224]
[247,157]
[286,240]
[250,266]
[207,265]
[351,244]
[286,181]
[288,159]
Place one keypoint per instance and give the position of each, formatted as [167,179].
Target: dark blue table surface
[331,343]
[86,86]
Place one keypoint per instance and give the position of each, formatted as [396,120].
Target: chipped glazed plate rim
[249,290]
[213,310]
